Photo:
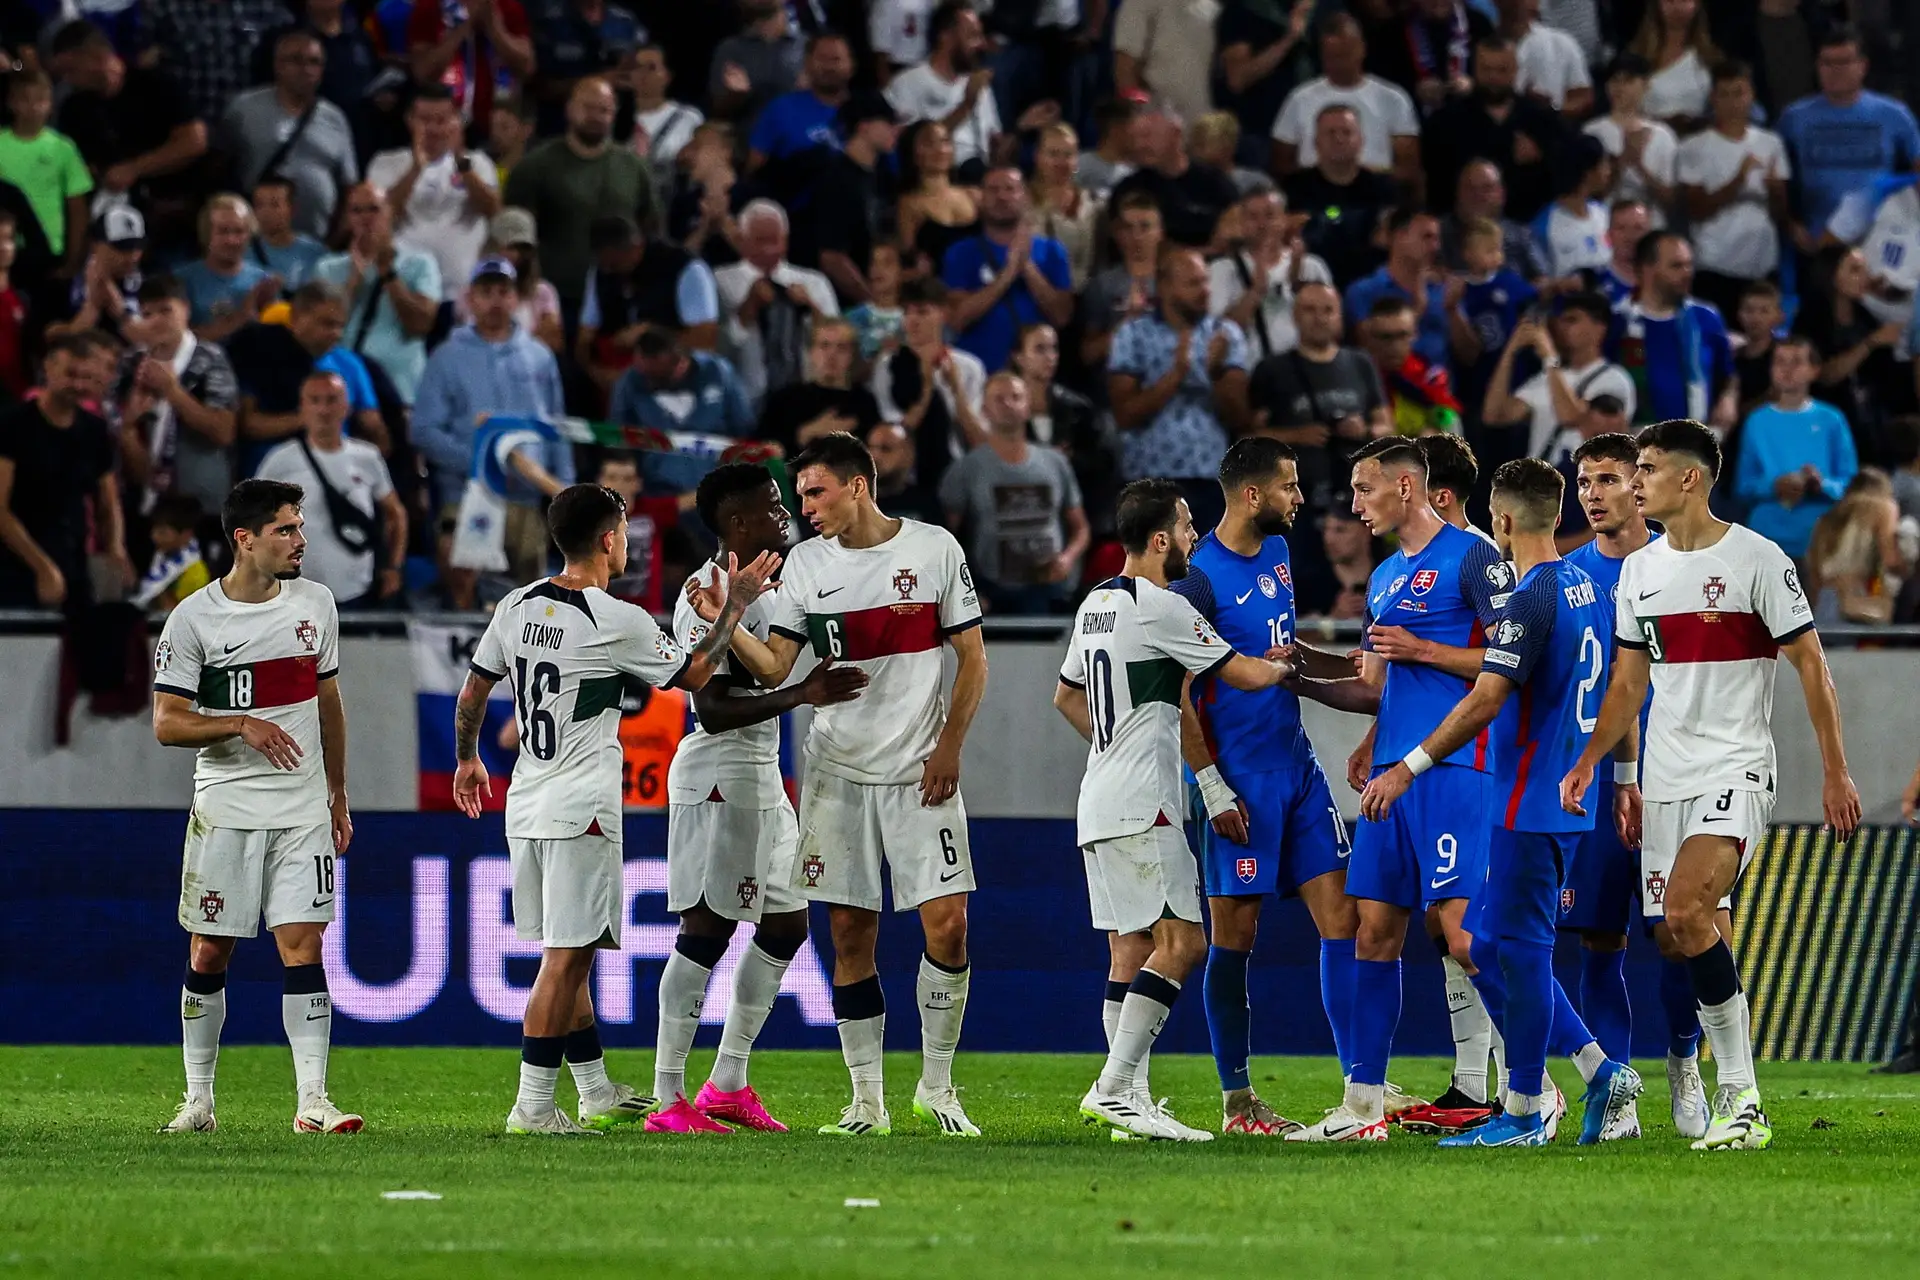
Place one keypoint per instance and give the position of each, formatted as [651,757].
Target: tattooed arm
[744,585]
[470,782]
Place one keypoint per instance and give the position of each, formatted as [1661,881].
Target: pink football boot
[741,1107]
[682,1117]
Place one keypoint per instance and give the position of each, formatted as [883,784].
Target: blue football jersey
[1605,572]
[1448,593]
[1249,601]
[1551,641]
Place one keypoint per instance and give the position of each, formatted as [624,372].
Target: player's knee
[702,921]
[1378,939]
[1595,940]
[946,936]
[1688,919]
[854,932]
[782,935]
[1670,948]
[209,955]
[299,944]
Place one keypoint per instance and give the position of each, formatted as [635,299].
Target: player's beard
[1271,523]
[1176,566]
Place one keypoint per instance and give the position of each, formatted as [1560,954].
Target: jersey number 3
[538,733]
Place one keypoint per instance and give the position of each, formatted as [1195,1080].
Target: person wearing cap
[492,368]
[515,237]
[669,388]
[638,280]
[104,294]
[278,247]
[393,293]
[441,194]
[852,198]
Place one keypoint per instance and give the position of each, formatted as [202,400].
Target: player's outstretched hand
[940,777]
[271,741]
[746,584]
[341,820]
[470,786]
[1397,644]
[1573,789]
[1627,813]
[1840,800]
[1232,824]
[706,600]
[1377,801]
[827,684]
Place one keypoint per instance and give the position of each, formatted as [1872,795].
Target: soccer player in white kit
[882,777]
[731,832]
[244,672]
[1704,612]
[1133,647]
[569,650]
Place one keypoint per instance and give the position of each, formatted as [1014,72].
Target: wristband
[1214,791]
[1417,761]
[1626,773]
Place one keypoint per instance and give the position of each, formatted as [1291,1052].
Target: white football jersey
[263,660]
[568,655]
[743,765]
[1712,623]
[1892,249]
[1132,647]
[886,610]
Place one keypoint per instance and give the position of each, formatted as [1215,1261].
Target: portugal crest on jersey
[211,905]
[1423,581]
[307,634]
[1657,888]
[906,582]
[748,889]
[812,868]
[1713,588]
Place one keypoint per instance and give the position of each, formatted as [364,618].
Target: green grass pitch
[87,1188]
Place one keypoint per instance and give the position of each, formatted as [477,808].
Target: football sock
[1683,1011]
[1336,995]
[1490,982]
[683,994]
[1228,1019]
[588,1061]
[1376,1013]
[860,1009]
[1603,1001]
[1472,1030]
[203,1011]
[1528,970]
[756,985]
[1149,1000]
[1569,1036]
[1110,1009]
[942,992]
[1723,1013]
[540,1058]
[306,1010]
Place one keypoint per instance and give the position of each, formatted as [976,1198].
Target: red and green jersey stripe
[259,686]
[885,632]
[1707,637]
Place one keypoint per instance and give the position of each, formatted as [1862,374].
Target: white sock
[1368,1101]
[943,1005]
[308,1020]
[201,1017]
[1141,1020]
[1527,1104]
[590,1078]
[683,993]
[1472,1031]
[756,985]
[536,1088]
[1110,1019]
[1499,1060]
[861,1046]
[1589,1060]
[1729,1030]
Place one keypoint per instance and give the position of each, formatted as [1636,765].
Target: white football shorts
[847,829]
[231,879]
[1137,880]
[739,859]
[1741,816]
[567,893]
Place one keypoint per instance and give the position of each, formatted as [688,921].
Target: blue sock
[1376,1015]
[1527,968]
[1603,1001]
[1336,993]
[1683,1011]
[1228,1021]
[1570,1032]
[1490,982]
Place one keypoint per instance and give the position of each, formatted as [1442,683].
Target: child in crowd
[1760,318]
[177,569]
[1495,298]
[877,323]
[46,165]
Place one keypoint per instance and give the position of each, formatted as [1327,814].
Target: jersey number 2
[1593,656]
[538,733]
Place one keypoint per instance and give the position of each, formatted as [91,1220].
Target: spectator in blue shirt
[671,389]
[1177,381]
[1673,346]
[1843,138]
[224,290]
[1796,453]
[1413,251]
[1006,277]
[576,38]
[277,247]
[798,121]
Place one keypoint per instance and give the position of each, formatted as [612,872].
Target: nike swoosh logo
[315,1017]
[1648,595]
[1343,854]
[1243,599]
[1712,819]
[322,902]
[825,593]
[951,875]
[1441,884]
[232,647]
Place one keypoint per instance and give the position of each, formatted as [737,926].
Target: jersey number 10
[1100,697]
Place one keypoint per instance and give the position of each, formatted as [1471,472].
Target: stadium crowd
[435,260]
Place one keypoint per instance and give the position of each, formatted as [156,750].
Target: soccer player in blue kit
[1550,644]
[1427,607]
[1602,894]
[1266,818]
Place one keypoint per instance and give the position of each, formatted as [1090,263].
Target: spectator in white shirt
[1553,405]
[356,526]
[954,86]
[1389,125]
[766,304]
[1165,49]
[1674,39]
[1552,66]
[1643,149]
[661,127]
[1734,179]
[442,195]
[1573,229]
[897,33]
[1254,284]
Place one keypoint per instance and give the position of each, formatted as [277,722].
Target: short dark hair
[1803,342]
[1614,446]
[1113,113]
[79,344]
[1405,216]
[1903,440]
[316,293]
[1146,507]
[924,292]
[1682,435]
[1590,304]
[839,452]
[1647,252]
[1631,66]
[1493,42]
[164,287]
[725,484]
[1766,289]
[1392,451]
[612,231]
[435,92]
[657,340]
[580,514]
[1836,35]
[1530,489]
[825,34]
[252,505]
[274,178]
[77,35]
[176,511]
[1388,304]
[1450,464]
[1253,459]
[618,458]
[1730,69]
[944,19]
[1135,201]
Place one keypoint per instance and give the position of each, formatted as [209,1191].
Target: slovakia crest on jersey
[1267,587]
[1285,575]
[1423,581]
[1246,869]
